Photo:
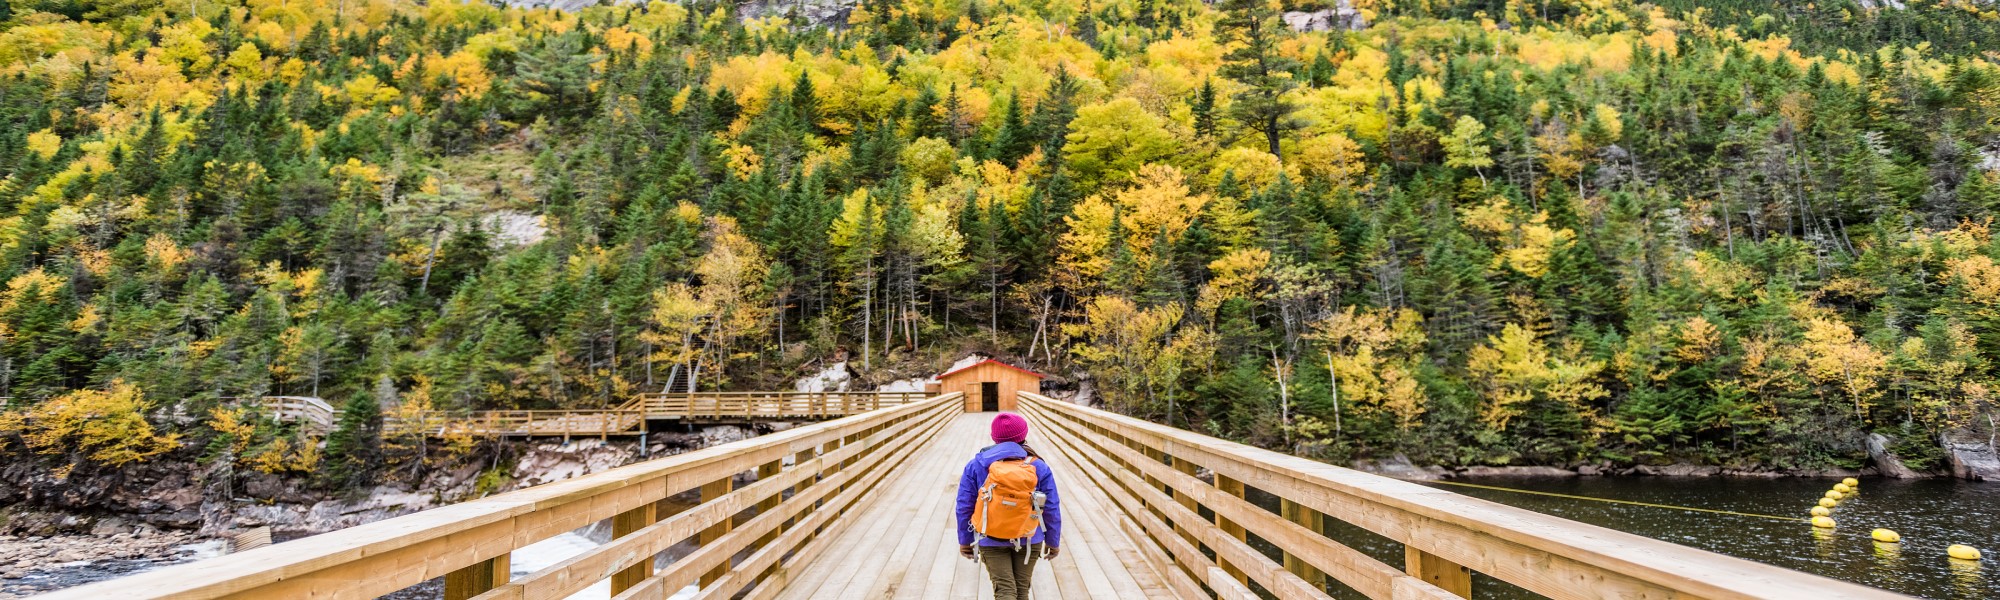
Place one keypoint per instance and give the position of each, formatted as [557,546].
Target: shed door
[989,396]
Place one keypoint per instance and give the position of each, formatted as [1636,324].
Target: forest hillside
[1471,232]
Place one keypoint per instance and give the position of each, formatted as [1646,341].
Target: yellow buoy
[1842,488]
[1851,482]
[1820,511]
[1885,536]
[1834,495]
[1962,552]
[1823,522]
[1827,503]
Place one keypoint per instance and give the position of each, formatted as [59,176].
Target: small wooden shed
[989,385]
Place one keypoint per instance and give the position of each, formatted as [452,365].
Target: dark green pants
[1011,570]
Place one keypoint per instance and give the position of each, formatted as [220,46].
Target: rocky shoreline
[35,564]
[59,533]
[1971,460]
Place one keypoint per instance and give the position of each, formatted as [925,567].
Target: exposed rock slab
[1342,17]
[1531,471]
[1400,467]
[1886,461]
[1972,459]
[1678,470]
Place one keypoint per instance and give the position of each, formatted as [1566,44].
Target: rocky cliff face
[816,13]
[1342,17]
[819,13]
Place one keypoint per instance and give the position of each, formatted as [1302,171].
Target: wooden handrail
[832,465]
[769,405]
[1149,472]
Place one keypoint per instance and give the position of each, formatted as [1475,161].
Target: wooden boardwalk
[902,544]
[861,507]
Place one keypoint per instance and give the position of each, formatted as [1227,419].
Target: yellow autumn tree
[1526,244]
[1466,146]
[1110,141]
[105,426]
[1372,356]
[1158,208]
[732,276]
[1081,251]
[676,319]
[1335,158]
[1844,366]
[1516,367]
[408,425]
[1139,353]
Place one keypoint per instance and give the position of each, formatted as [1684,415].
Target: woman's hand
[1053,551]
[965,551]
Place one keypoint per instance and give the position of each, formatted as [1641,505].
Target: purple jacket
[975,477]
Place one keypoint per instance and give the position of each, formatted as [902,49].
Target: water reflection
[1824,542]
[1888,557]
[1966,578]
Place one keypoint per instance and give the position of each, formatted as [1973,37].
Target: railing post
[1231,528]
[1311,519]
[478,578]
[767,471]
[1152,454]
[709,492]
[1186,501]
[623,525]
[804,482]
[1449,576]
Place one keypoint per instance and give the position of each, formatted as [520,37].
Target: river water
[1930,515]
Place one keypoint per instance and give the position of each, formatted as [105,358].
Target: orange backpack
[1007,508]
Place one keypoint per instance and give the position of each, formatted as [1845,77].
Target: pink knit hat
[1010,427]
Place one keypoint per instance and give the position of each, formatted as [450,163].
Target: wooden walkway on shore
[628,419]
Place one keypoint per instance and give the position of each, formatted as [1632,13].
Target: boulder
[1400,467]
[1972,459]
[1885,461]
[1679,470]
[1535,471]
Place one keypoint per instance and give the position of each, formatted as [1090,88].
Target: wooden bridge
[860,507]
[627,419]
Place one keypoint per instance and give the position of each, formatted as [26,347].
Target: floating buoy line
[1615,501]
[1820,516]
[1885,539]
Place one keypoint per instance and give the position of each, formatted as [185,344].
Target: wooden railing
[539,423]
[806,479]
[770,405]
[1150,473]
[314,413]
[627,419]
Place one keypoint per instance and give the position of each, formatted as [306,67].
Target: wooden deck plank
[1094,551]
[902,545]
[929,554]
[1105,550]
[916,544]
[941,576]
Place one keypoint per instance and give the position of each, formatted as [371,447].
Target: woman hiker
[1008,516]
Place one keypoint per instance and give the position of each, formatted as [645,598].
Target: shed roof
[976,365]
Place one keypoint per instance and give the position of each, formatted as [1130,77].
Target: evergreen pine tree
[1254,61]
[354,448]
[1204,109]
